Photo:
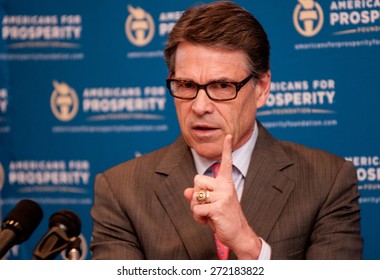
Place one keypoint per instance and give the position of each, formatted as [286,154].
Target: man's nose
[202,103]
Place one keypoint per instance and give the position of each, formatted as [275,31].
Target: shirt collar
[239,157]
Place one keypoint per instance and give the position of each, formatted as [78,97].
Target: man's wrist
[250,248]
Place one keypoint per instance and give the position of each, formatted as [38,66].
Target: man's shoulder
[297,152]
[147,161]
[302,153]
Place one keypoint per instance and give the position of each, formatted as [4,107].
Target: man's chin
[210,152]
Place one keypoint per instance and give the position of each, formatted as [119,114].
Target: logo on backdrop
[368,171]
[64,102]
[139,26]
[305,103]
[2,176]
[308,17]
[50,176]
[4,127]
[42,32]
[349,17]
[341,19]
[103,107]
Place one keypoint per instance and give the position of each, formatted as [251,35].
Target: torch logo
[139,26]
[308,18]
[64,102]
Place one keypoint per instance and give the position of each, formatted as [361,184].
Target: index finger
[226,164]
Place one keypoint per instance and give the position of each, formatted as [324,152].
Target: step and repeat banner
[82,88]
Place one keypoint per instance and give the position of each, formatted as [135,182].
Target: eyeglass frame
[238,87]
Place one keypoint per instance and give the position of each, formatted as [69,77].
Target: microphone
[64,226]
[19,224]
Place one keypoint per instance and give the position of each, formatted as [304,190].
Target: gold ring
[202,196]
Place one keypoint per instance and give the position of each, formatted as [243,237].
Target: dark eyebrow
[219,80]
[186,81]
[183,80]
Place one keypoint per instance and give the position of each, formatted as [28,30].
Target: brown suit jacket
[302,201]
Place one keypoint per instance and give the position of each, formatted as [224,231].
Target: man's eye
[185,85]
[222,85]
[188,85]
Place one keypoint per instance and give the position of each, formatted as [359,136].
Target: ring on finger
[203,196]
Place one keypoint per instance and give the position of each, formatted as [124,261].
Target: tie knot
[215,169]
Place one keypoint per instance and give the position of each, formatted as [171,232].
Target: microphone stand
[73,250]
[51,245]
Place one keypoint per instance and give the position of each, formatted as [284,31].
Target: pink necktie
[221,249]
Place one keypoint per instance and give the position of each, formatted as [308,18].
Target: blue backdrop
[82,88]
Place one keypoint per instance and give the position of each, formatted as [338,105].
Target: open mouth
[204,128]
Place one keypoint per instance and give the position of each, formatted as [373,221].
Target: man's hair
[224,25]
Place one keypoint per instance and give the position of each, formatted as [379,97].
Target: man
[271,199]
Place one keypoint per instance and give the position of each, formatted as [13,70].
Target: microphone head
[23,219]
[67,221]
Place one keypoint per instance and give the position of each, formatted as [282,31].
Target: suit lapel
[266,189]
[178,165]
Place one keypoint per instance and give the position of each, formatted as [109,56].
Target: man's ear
[263,89]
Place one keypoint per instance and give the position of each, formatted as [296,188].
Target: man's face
[204,123]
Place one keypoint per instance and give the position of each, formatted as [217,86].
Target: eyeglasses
[217,91]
